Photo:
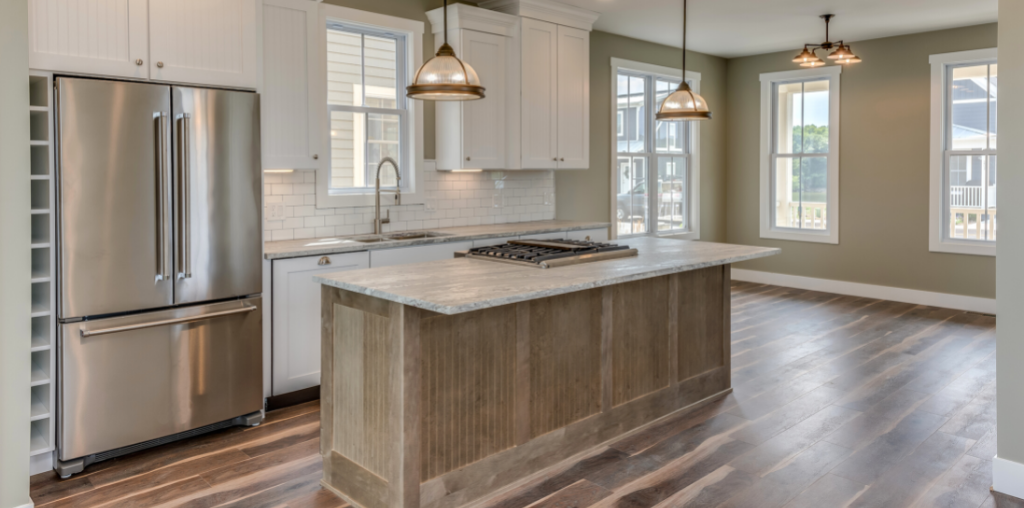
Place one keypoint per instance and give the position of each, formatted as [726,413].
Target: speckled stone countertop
[454,286]
[321,246]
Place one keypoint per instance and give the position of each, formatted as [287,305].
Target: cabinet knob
[138,61]
[467,158]
[562,159]
[324,261]
[316,157]
[160,65]
[554,159]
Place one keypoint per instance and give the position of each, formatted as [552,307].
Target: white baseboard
[944,300]
[40,463]
[1008,477]
[29,505]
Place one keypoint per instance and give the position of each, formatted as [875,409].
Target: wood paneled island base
[422,409]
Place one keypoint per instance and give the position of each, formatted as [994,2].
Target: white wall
[1008,467]
[452,199]
[15,262]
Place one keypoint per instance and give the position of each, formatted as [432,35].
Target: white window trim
[830,235]
[413,32]
[937,241]
[694,197]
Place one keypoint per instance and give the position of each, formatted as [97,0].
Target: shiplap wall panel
[565,360]
[639,339]
[468,395]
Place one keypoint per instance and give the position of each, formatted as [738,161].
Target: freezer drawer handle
[166,322]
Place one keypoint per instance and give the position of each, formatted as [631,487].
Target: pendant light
[684,104]
[842,55]
[445,77]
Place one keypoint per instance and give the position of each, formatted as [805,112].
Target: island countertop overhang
[459,285]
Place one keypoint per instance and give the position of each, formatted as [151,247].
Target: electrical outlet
[275,211]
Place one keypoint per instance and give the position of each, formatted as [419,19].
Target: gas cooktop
[550,253]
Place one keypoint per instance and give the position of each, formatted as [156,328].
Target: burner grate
[540,252]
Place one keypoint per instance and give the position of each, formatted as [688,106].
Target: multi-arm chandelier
[842,54]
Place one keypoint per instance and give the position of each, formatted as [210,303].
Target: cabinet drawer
[408,255]
[596,235]
[296,317]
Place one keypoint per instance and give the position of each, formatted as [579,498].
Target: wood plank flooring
[838,401]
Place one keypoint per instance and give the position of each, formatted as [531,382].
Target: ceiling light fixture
[842,55]
[445,77]
[684,103]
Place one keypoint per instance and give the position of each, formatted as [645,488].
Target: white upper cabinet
[289,112]
[540,95]
[203,42]
[211,42]
[100,37]
[554,77]
[475,134]
[573,98]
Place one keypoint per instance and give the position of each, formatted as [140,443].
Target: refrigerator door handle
[185,205]
[166,322]
[163,259]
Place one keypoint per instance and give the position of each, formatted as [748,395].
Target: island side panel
[361,410]
[640,322]
[701,338]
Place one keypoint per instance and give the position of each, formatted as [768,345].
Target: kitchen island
[448,381]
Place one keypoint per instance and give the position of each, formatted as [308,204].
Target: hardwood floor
[838,401]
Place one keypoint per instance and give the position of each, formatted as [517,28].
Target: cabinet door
[206,42]
[85,36]
[484,139]
[296,311]
[539,95]
[573,98]
[421,254]
[289,112]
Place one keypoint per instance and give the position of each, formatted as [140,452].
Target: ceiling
[731,28]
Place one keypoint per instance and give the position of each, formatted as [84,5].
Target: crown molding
[461,16]
[546,10]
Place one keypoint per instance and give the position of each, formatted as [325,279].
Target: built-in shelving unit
[44,329]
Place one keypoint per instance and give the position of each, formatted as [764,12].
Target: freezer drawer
[130,379]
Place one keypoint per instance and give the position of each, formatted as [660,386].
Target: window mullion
[650,146]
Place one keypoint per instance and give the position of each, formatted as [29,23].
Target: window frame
[650,136]
[412,134]
[768,228]
[942,65]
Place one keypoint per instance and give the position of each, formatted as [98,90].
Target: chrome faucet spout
[377,221]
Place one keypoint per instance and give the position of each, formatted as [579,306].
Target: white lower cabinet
[493,241]
[561,235]
[296,316]
[419,254]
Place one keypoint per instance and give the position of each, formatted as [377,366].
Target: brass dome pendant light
[445,77]
[684,103]
[842,54]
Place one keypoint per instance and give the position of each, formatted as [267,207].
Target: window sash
[401,107]
[775,156]
[651,155]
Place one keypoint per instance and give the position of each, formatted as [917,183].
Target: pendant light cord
[446,22]
[684,41]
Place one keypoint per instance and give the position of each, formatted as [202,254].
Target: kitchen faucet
[377,221]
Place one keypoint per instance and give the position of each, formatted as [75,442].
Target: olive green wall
[586,194]
[883,169]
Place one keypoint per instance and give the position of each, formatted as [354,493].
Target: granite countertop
[454,286]
[321,246]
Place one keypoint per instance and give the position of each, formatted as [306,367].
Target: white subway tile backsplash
[449,199]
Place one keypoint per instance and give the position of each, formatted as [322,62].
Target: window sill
[970,248]
[823,237]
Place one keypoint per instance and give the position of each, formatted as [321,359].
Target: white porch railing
[808,216]
[972,223]
[966,196]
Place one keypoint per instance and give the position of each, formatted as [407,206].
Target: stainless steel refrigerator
[159,265]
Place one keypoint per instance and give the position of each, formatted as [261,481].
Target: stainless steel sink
[399,237]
